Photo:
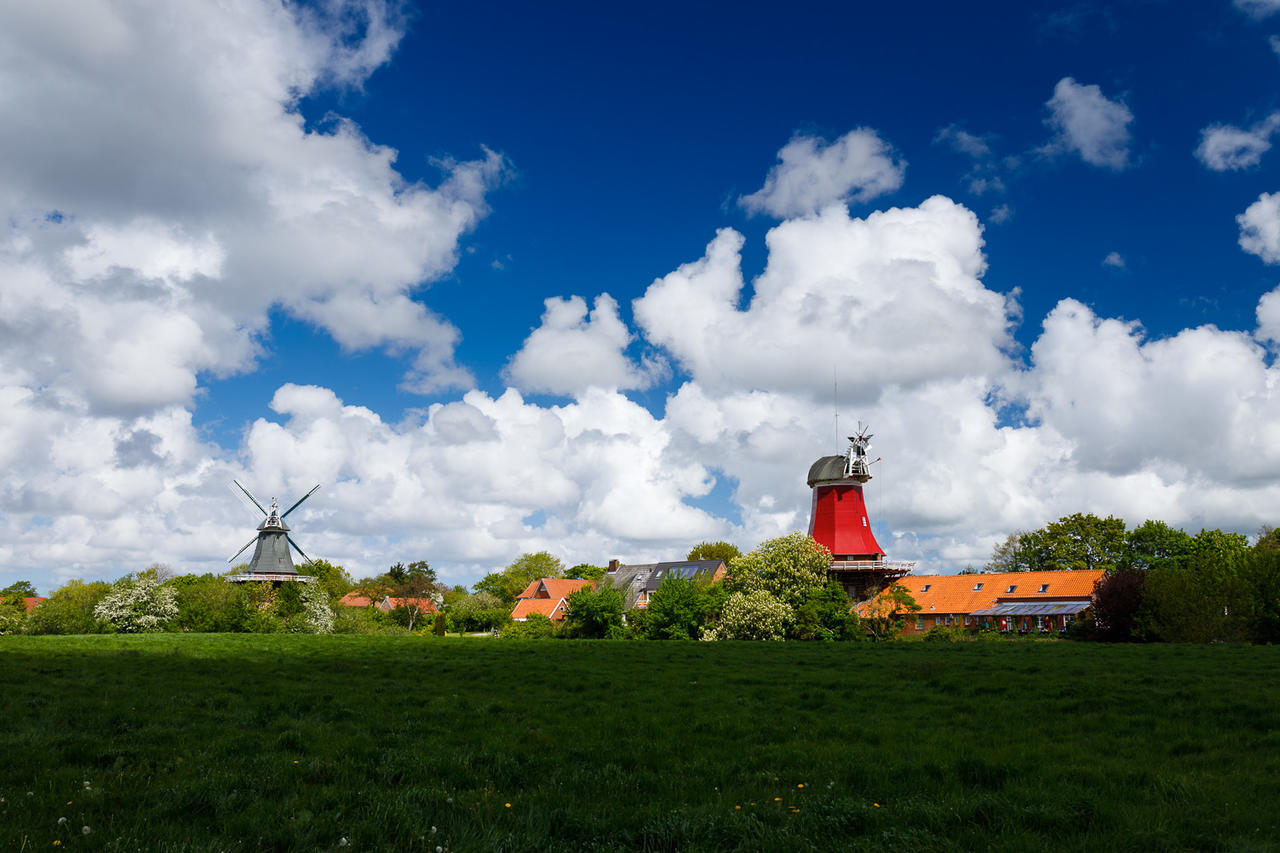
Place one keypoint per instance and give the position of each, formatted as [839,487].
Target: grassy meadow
[251,742]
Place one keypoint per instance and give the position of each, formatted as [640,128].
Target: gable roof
[553,588]
[356,599]
[957,594]
[424,605]
[552,608]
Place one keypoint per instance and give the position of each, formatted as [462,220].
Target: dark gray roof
[646,577]
[272,553]
[1035,608]
[826,468]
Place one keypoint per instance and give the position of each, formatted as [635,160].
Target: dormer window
[1044,587]
[925,588]
[977,586]
[1011,588]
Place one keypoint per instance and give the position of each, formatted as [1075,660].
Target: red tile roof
[30,602]
[956,593]
[424,605]
[356,599]
[548,596]
[552,608]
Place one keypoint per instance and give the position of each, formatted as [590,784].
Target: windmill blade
[296,548]
[299,501]
[242,550]
[250,497]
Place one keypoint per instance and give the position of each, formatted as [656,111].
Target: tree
[585,571]
[535,627]
[790,568]
[826,615]
[1014,554]
[69,609]
[677,610]
[1156,545]
[16,592]
[137,605]
[334,580]
[753,615]
[512,580]
[478,612]
[1261,577]
[1082,542]
[886,612]
[722,551]
[1117,601]
[208,604]
[594,612]
[1205,599]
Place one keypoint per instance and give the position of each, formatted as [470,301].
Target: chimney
[614,565]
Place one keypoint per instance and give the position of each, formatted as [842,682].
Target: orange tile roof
[356,599]
[554,587]
[424,605]
[552,608]
[956,593]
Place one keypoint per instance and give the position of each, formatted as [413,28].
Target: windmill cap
[830,469]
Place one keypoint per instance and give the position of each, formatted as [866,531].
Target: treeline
[1161,583]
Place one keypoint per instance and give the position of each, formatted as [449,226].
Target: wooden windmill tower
[271,558]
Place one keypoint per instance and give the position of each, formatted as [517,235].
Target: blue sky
[316,243]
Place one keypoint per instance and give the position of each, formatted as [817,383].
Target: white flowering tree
[138,605]
[791,568]
[755,615]
[315,607]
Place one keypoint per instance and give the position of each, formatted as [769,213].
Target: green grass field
[243,742]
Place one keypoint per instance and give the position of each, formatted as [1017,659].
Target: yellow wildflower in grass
[57,843]
[877,805]
[508,805]
[777,799]
[801,785]
[737,808]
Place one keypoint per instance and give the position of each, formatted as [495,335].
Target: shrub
[595,613]
[137,605]
[754,615]
[70,610]
[535,627]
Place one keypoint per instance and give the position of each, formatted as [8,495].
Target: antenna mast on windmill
[271,559]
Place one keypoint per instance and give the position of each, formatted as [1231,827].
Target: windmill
[271,560]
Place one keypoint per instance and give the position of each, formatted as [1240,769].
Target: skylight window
[1011,588]
[977,586]
[1044,587]
[925,588]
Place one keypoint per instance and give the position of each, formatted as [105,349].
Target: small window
[1044,587]
[919,623]
[977,586]
[1011,588]
[925,588]
[937,620]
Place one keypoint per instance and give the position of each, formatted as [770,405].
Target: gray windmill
[271,560]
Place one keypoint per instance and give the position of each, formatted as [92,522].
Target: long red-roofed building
[1021,602]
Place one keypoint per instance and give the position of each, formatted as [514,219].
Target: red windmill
[839,520]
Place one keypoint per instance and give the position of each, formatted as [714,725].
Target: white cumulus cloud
[812,174]
[1258,9]
[1089,124]
[572,351]
[1260,228]
[1224,147]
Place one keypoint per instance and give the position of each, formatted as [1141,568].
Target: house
[1022,602]
[424,605]
[547,596]
[638,583]
[29,602]
[356,598]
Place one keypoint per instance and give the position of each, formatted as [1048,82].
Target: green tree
[886,612]
[722,551]
[790,568]
[1082,541]
[14,593]
[677,610]
[594,613]
[1261,577]
[1205,599]
[1156,545]
[69,609]
[826,615]
[1015,554]
[334,580]
[480,612]
[208,604]
[535,627]
[512,580]
[585,571]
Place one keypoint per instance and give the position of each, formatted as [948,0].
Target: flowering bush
[756,615]
[138,605]
[792,568]
[315,608]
